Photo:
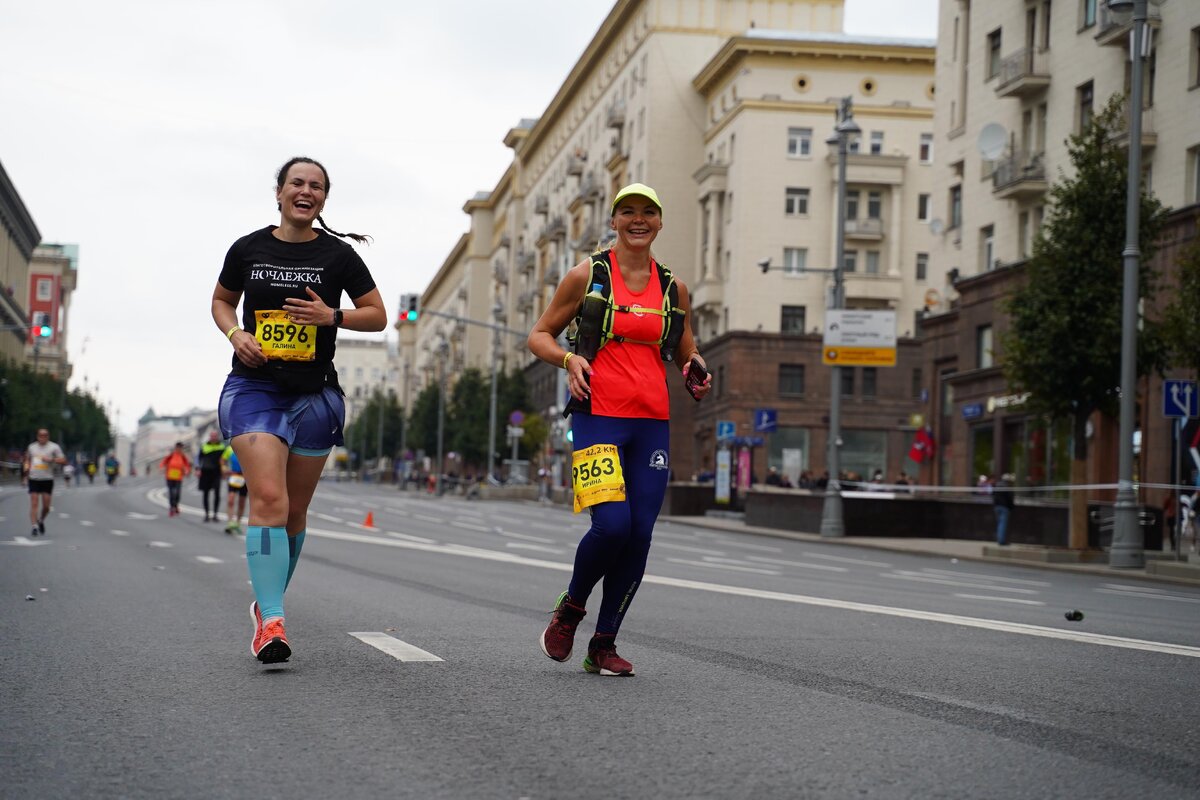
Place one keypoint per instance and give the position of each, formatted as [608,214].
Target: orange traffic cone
[369,522]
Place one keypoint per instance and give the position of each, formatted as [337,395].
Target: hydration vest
[600,272]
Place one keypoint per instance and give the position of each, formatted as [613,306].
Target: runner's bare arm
[224,313]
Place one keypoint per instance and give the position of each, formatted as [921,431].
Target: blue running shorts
[310,424]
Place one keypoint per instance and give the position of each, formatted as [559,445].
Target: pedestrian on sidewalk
[631,315]
[1002,500]
[281,407]
[37,470]
[176,466]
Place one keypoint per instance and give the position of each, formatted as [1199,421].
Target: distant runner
[37,469]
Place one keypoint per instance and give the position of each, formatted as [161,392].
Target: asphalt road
[765,667]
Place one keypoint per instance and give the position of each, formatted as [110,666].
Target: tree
[30,400]
[422,422]
[1064,343]
[468,410]
[365,427]
[1181,317]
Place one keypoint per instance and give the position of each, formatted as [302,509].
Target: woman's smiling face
[637,221]
[302,196]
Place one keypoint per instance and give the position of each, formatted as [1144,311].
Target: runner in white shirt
[38,471]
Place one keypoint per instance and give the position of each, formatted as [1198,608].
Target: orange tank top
[629,378]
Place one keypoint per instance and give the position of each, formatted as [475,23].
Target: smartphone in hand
[696,376]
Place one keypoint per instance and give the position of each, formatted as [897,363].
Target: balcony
[615,118]
[504,241]
[541,205]
[550,278]
[555,228]
[1023,73]
[870,229]
[1149,135]
[575,165]
[500,272]
[1020,177]
[1113,28]
[525,300]
[526,260]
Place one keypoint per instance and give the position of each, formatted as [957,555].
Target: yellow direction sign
[859,356]
[859,338]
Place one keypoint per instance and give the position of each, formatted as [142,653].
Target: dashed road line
[1147,596]
[960,574]
[733,567]
[116,532]
[426,518]
[844,560]
[904,575]
[526,537]
[409,538]
[803,564]
[537,547]
[161,544]
[328,518]
[1001,599]
[396,648]
[87,523]
[470,526]
[209,560]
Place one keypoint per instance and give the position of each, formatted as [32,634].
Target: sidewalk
[1158,570]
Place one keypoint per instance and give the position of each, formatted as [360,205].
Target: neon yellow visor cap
[636,189]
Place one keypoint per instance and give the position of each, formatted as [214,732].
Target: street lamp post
[832,522]
[497,310]
[1127,546]
[443,350]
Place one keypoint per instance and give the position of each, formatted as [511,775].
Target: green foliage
[362,436]
[1064,344]
[422,422]
[30,400]
[469,405]
[1181,318]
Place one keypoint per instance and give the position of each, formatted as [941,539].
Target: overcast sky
[148,133]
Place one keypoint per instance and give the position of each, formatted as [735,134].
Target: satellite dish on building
[936,226]
[991,141]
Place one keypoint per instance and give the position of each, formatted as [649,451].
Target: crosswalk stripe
[209,560]
[397,649]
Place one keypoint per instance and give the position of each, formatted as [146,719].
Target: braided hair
[281,176]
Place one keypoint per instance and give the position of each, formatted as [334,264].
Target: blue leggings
[615,548]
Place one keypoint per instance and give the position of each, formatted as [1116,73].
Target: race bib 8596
[282,339]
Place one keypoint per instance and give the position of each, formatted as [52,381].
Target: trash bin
[1100,526]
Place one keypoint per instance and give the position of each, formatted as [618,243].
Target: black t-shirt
[267,271]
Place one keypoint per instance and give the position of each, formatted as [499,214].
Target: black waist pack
[296,378]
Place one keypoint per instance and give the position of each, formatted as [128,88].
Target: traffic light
[41,327]
[410,307]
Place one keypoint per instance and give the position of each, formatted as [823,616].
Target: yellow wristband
[567,358]
[229,334]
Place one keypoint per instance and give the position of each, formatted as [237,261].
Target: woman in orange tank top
[621,464]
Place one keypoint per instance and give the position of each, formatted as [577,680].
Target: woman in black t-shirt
[281,407]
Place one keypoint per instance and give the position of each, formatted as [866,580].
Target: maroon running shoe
[602,658]
[559,636]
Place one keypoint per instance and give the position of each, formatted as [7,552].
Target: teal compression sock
[295,543]
[268,556]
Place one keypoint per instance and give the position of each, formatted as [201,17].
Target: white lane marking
[397,649]
[407,537]
[734,567]
[538,547]
[470,526]
[544,526]
[702,551]
[63,515]
[426,518]
[1001,599]
[361,527]
[209,560]
[786,597]
[780,562]
[747,546]
[845,560]
[115,532]
[1175,597]
[912,576]
[328,518]
[136,515]
[87,523]
[469,512]
[161,544]
[25,541]
[959,574]
[526,537]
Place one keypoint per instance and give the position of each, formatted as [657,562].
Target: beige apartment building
[724,107]
[1015,78]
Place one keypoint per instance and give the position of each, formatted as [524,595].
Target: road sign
[859,338]
[516,417]
[1180,399]
[726,429]
[765,420]
[514,432]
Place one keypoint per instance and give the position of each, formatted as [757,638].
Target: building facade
[53,276]
[18,238]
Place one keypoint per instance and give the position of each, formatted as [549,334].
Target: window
[45,288]
[876,143]
[1023,234]
[853,145]
[796,202]
[994,57]
[795,259]
[874,205]
[923,208]
[791,379]
[1089,13]
[1083,107]
[872,262]
[983,347]
[1194,59]
[847,381]
[917,383]
[987,247]
[869,377]
[852,205]
[791,320]
[955,206]
[850,261]
[799,144]
[926,148]
[922,265]
[1046,24]
[1192,190]
[358,373]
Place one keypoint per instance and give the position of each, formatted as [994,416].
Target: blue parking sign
[765,420]
[725,429]
[1180,399]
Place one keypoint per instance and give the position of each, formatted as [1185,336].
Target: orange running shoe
[271,645]
[256,618]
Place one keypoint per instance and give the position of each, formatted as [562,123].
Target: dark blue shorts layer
[310,424]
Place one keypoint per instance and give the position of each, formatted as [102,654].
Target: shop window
[787,451]
[863,452]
